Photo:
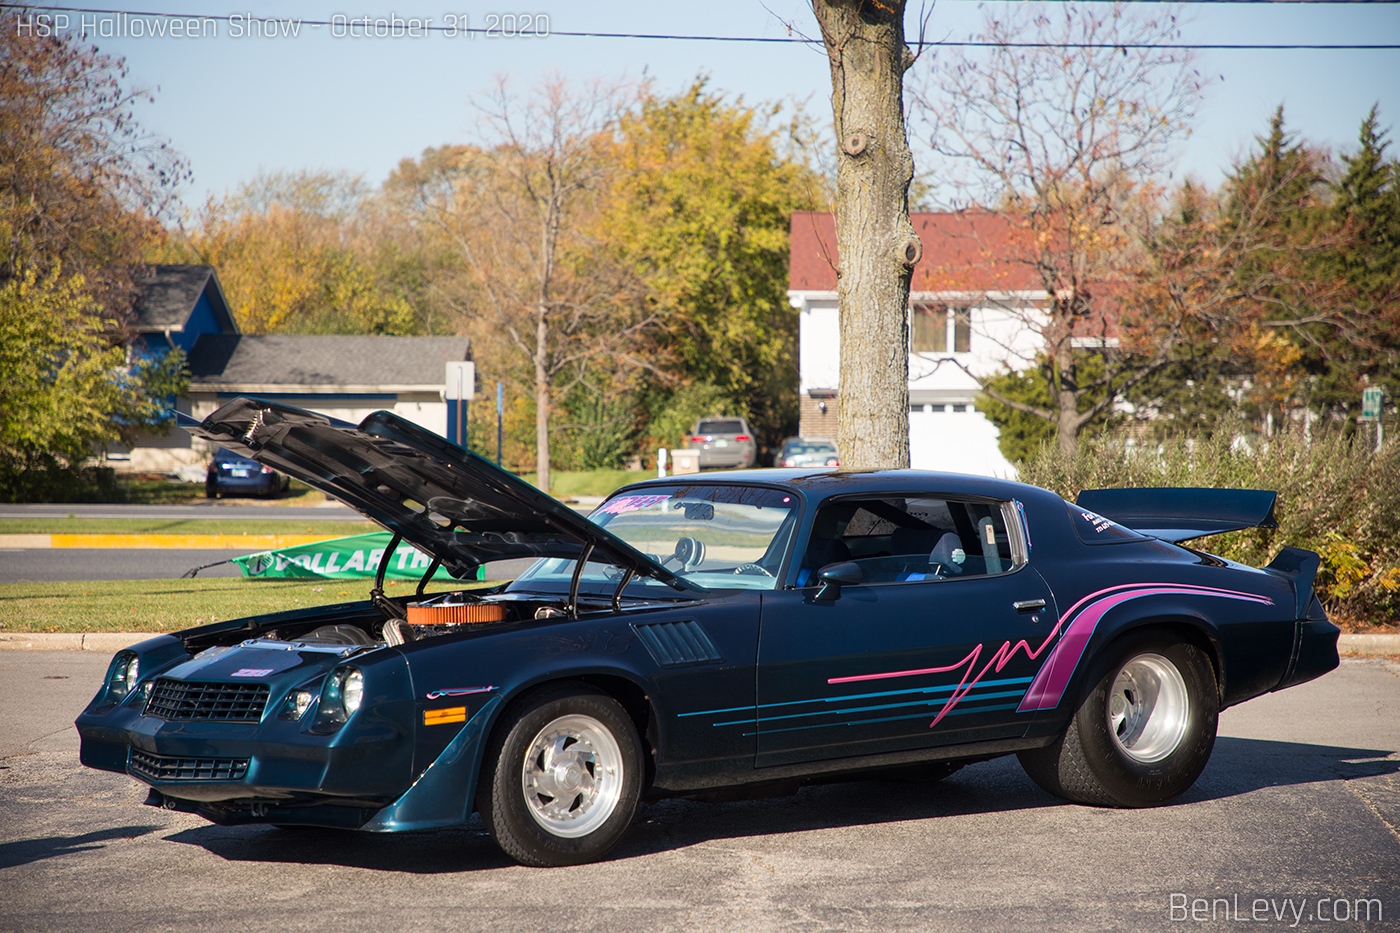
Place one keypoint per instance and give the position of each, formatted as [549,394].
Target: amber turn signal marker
[437,717]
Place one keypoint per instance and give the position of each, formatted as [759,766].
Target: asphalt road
[230,509]
[49,565]
[1301,801]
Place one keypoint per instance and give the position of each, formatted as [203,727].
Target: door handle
[1029,605]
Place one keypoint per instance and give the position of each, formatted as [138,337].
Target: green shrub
[47,480]
[1336,496]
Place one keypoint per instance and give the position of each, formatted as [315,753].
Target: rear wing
[1178,514]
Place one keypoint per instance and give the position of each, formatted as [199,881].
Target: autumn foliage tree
[1063,127]
[518,212]
[81,182]
[1276,280]
[296,253]
[81,188]
[697,208]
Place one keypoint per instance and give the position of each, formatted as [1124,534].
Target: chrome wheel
[572,776]
[1148,708]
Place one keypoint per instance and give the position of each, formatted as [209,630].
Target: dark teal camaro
[708,636]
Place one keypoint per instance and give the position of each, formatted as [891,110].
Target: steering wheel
[753,570]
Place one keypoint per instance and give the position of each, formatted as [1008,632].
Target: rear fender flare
[1152,612]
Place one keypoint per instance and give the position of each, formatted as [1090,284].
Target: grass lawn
[170,605]
[156,490]
[565,485]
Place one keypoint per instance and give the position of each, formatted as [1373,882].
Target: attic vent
[675,643]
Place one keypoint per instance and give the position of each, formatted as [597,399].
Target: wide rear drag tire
[1143,732]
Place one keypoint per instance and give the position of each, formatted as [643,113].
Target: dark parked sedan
[705,636]
[807,452]
[234,474]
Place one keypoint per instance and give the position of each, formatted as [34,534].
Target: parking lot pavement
[1298,811]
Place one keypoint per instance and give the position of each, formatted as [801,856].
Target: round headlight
[133,670]
[352,691]
[123,677]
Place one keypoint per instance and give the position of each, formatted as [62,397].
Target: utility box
[685,461]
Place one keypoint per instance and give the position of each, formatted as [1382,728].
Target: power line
[385,25]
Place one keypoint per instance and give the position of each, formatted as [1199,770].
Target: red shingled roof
[963,251]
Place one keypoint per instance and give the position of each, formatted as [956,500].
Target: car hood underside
[460,508]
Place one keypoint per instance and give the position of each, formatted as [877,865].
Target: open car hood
[458,507]
[1178,514]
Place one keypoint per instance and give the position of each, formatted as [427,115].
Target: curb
[1347,645]
[72,641]
[1369,644]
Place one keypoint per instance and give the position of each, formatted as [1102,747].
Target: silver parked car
[724,443]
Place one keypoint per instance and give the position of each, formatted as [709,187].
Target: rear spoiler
[1178,514]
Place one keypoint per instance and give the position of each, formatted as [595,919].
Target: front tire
[563,779]
[1142,734]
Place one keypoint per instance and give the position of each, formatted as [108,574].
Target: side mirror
[834,576]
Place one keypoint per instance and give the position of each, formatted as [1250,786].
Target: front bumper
[217,766]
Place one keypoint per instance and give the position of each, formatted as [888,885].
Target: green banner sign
[341,559]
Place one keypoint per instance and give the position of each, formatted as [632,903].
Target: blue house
[345,377]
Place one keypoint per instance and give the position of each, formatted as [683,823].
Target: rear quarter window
[721,427]
[1093,528]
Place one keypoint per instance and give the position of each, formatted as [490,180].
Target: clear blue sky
[237,105]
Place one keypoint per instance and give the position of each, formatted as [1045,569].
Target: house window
[930,329]
[962,329]
[936,327]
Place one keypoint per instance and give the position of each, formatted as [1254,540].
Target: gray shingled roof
[168,295]
[231,360]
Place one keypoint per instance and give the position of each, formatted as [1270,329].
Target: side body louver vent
[675,643]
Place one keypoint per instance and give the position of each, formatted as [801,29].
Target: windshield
[720,537]
[720,427]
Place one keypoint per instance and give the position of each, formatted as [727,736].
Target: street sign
[460,382]
[1371,404]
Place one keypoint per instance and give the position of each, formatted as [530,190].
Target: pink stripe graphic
[997,661]
[1049,685]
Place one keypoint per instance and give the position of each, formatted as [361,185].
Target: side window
[911,539]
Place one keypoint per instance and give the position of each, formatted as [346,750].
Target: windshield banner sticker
[630,504]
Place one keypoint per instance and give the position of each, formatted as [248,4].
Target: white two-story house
[972,315]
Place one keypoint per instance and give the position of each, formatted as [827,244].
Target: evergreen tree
[1366,211]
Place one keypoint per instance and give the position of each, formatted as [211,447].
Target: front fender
[443,794]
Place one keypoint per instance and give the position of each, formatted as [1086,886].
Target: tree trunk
[876,242]
[1067,423]
[542,394]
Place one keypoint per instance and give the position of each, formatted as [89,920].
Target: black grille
[173,768]
[177,699]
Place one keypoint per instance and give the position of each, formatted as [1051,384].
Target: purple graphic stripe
[1049,685]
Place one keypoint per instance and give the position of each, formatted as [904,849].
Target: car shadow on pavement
[1237,767]
[25,851]
[996,786]
[426,852]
